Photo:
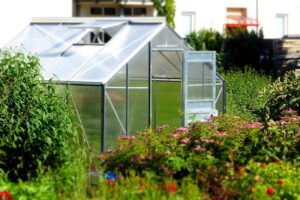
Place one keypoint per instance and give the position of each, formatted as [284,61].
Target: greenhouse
[125,75]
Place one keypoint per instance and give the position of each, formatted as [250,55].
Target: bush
[242,92]
[36,121]
[243,48]
[67,182]
[216,153]
[207,39]
[283,94]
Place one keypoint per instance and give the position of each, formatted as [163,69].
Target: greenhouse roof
[66,58]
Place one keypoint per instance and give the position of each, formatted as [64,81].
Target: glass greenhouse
[125,76]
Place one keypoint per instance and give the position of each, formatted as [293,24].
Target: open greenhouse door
[199,86]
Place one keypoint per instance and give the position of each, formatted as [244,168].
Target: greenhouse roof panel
[70,61]
[116,53]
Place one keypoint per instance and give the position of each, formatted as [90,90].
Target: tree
[166,8]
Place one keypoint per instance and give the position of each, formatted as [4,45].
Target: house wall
[212,14]
[15,16]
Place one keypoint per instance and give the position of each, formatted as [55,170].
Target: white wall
[212,14]
[15,15]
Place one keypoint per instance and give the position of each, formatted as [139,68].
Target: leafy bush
[283,94]
[207,39]
[243,48]
[67,182]
[242,92]
[36,123]
[208,152]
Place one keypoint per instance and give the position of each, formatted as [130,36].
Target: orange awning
[237,20]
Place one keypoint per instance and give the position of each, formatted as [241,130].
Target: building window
[281,25]
[96,11]
[109,11]
[127,12]
[188,22]
[139,11]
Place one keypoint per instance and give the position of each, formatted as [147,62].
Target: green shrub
[67,182]
[242,92]
[207,39]
[213,152]
[243,48]
[36,122]
[283,94]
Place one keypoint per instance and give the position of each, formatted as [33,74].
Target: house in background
[276,17]
[112,8]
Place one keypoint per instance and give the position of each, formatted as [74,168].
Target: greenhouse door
[199,86]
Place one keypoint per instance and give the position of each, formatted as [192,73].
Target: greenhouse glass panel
[138,78]
[87,101]
[168,39]
[32,37]
[200,81]
[167,107]
[58,40]
[115,101]
[70,62]
[167,64]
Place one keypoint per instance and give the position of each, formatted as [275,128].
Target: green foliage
[36,123]
[255,179]
[242,92]
[283,94]
[216,153]
[67,182]
[166,8]
[234,51]
[147,187]
[207,39]
[246,48]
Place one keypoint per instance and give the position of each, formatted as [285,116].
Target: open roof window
[99,32]
[95,37]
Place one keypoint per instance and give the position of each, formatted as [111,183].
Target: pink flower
[183,129]
[208,141]
[128,137]
[175,135]
[257,179]
[252,125]
[270,191]
[160,128]
[222,134]
[136,158]
[200,149]
[168,152]
[101,155]
[5,195]
[185,140]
